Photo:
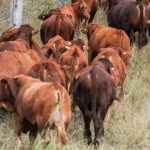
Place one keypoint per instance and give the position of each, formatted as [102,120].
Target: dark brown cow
[74,58]
[23,41]
[130,16]
[92,6]
[56,46]
[119,67]
[103,37]
[63,21]
[48,71]
[40,106]
[94,92]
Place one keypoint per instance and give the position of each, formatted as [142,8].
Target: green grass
[129,127]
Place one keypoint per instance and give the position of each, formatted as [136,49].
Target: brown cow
[40,106]
[22,42]
[103,37]
[63,21]
[12,33]
[92,6]
[118,65]
[56,46]
[15,63]
[74,58]
[94,92]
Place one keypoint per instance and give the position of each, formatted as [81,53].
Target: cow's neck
[76,9]
[26,37]
[12,95]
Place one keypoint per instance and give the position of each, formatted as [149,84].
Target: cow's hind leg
[32,136]
[17,131]
[98,126]
[87,120]
[61,136]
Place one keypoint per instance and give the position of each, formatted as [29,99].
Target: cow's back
[39,101]
[15,63]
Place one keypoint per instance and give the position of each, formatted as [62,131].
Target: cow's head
[8,93]
[90,29]
[27,29]
[81,44]
[83,9]
[56,46]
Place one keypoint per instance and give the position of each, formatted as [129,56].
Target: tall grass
[129,127]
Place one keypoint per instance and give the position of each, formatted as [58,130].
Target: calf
[94,92]
[40,106]
[103,37]
[119,72]
[76,60]
[63,21]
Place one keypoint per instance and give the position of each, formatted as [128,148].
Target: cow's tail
[141,15]
[58,23]
[94,94]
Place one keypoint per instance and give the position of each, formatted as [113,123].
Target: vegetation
[129,126]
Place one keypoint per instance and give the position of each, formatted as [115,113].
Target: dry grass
[129,127]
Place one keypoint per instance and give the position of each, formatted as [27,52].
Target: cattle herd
[36,82]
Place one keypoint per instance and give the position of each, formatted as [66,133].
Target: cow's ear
[84,30]
[68,43]
[85,48]
[49,52]
[114,72]
[34,32]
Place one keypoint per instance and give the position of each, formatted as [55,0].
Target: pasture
[129,127]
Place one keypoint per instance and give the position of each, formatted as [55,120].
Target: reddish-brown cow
[103,37]
[15,63]
[63,21]
[40,106]
[23,39]
[119,68]
[12,33]
[74,58]
[94,92]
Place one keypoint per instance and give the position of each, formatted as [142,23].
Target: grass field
[129,127]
